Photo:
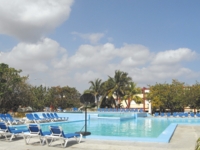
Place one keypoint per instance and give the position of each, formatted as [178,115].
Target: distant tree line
[15,92]
[174,97]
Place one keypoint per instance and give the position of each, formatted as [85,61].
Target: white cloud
[47,60]
[29,20]
[134,55]
[93,37]
[87,76]
[171,57]
[33,57]
[93,56]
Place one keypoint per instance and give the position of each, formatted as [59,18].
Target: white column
[150,108]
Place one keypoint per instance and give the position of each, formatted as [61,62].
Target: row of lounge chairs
[120,110]
[55,133]
[8,119]
[33,130]
[75,109]
[46,117]
[176,114]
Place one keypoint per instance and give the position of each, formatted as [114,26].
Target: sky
[72,42]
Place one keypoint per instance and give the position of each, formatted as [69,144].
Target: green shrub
[197,145]
[19,114]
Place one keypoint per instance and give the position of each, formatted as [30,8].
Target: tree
[168,96]
[96,89]
[10,91]
[192,95]
[117,85]
[64,97]
[131,94]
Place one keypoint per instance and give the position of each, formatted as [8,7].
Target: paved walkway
[184,138]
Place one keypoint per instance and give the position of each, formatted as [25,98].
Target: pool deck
[184,138]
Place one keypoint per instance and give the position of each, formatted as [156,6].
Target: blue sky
[73,42]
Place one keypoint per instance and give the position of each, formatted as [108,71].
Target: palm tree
[131,94]
[96,89]
[117,85]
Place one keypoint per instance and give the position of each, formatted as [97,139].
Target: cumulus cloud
[134,55]
[51,62]
[92,56]
[87,76]
[91,62]
[171,57]
[33,57]
[93,37]
[30,20]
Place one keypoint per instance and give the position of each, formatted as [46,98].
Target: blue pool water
[140,127]
[115,115]
[148,129]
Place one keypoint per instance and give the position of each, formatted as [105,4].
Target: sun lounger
[63,118]
[46,117]
[12,121]
[57,118]
[156,114]
[3,118]
[31,118]
[52,117]
[162,114]
[38,118]
[169,114]
[58,134]
[35,131]
[197,114]
[192,114]
[183,114]
[75,109]
[180,114]
[11,131]
[141,110]
[175,114]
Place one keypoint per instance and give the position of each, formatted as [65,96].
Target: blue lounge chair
[35,131]
[141,110]
[192,114]
[180,114]
[156,114]
[51,117]
[63,118]
[168,114]
[31,118]
[186,114]
[46,117]
[11,131]
[197,114]
[3,118]
[162,114]
[175,114]
[38,118]
[57,118]
[58,134]
[12,121]
[74,109]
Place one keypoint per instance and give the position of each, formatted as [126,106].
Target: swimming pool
[139,129]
